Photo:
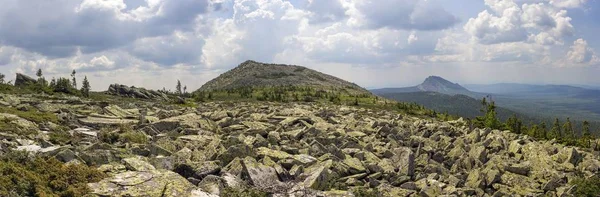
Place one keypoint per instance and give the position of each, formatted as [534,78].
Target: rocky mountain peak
[256,74]
[439,84]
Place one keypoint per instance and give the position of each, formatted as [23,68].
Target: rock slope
[302,149]
[256,74]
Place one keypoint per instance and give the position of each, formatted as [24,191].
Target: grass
[24,175]
[587,187]
[32,115]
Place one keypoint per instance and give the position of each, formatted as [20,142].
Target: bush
[107,136]
[587,187]
[32,115]
[60,137]
[133,137]
[243,192]
[22,175]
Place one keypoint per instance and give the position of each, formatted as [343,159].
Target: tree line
[56,85]
[563,132]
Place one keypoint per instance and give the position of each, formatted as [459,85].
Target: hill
[431,84]
[255,74]
[459,105]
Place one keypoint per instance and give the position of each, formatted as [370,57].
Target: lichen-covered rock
[404,161]
[147,183]
[259,175]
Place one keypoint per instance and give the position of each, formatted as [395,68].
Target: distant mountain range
[537,101]
[431,84]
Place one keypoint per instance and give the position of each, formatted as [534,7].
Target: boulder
[137,164]
[24,80]
[146,183]
[404,161]
[133,92]
[260,175]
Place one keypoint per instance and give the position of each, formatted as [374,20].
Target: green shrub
[133,137]
[107,136]
[32,115]
[22,175]
[243,192]
[365,192]
[60,137]
[587,187]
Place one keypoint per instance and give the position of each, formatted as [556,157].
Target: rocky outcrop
[291,149]
[144,180]
[133,92]
[24,80]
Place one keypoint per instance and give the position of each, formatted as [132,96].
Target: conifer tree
[568,131]
[74,80]
[587,135]
[555,132]
[178,87]
[85,87]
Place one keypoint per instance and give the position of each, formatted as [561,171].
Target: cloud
[64,27]
[179,47]
[325,11]
[509,22]
[401,14]
[581,53]
[258,30]
[412,38]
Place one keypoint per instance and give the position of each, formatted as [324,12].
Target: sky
[391,43]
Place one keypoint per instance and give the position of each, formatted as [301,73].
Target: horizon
[154,43]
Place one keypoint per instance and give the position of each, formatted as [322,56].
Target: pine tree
[178,87]
[41,79]
[85,87]
[587,135]
[74,80]
[568,130]
[543,131]
[2,78]
[534,131]
[514,124]
[555,132]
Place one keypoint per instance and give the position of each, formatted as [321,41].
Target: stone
[24,80]
[479,153]
[190,120]
[317,176]
[522,169]
[354,165]
[212,184]
[147,183]
[137,164]
[259,175]
[133,92]
[404,161]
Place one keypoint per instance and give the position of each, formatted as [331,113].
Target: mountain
[257,74]
[550,101]
[532,90]
[431,84]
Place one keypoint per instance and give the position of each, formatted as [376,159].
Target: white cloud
[412,38]
[400,14]
[568,3]
[581,53]
[538,22]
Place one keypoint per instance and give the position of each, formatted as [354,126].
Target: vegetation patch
[32,115]
[24,175]
[587,187]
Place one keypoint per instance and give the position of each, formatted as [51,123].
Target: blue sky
[153,43]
